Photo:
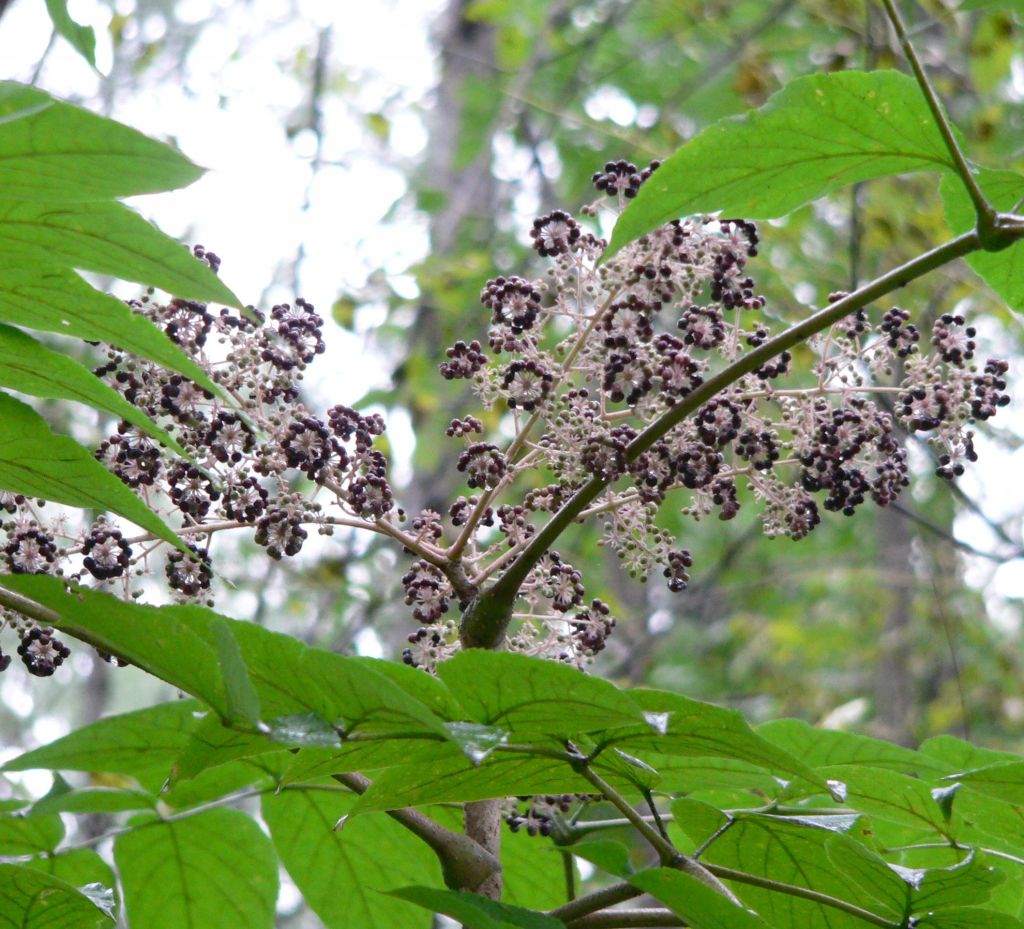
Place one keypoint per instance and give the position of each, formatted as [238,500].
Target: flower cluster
[256,454]
[583,365]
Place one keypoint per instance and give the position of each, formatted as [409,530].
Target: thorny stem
[986,213]
[487,617]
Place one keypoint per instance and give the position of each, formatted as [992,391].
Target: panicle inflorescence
[574,367]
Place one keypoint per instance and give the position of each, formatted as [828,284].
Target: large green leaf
[891,796]
[820,747]
[533,698]
[957,755]
[699,905]
[816,135]
[531,873]
[1003,781]
[22,834]
[159,640]
[213,744]
[791,851]
[55,299]
[29,367]
[77,867]
[356,697]
[38,463]
[215,868]
[31,899]
[962,884]
[968,917]
[872,874]
[448,776]
[1003,271]
[341,872]
[680,726]
[141,744]
[108,238]
[475,912]
[53,151]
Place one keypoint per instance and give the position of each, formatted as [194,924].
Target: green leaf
[968,917]
[957,755]
[447,776]
[54,151]
[533,698]
[141,744]
[531,875]
[304,730]
[820,747]
[311,763]
[969,882]
[817,134]
[81,37]
[872,874]
[341,871]
[108,238]
[219,782]
[792,852]
[29,367]
[1003,271]
[63,798]
[213,869]
[38,463]
[243,703]
[697,904]
[475,912]
[54,299]
[160,640]
[1003,781]
[28,834]
[476,740]
[692,728]
[426,688]
[356,697]
[890,796]
[609,856]
[30,899]
[77,867]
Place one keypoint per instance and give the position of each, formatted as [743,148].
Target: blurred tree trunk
[895,708]
[469,191]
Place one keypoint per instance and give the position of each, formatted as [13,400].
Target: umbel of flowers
[581,358]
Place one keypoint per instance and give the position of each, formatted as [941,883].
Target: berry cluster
[578,364]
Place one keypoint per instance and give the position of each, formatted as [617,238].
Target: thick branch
[591,903]
[487,617]
[465,864]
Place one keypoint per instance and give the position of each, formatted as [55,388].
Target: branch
[591,903]
[487,617]
[985,212]
[670,856]
[465,864]
[626,919]
[742,877]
